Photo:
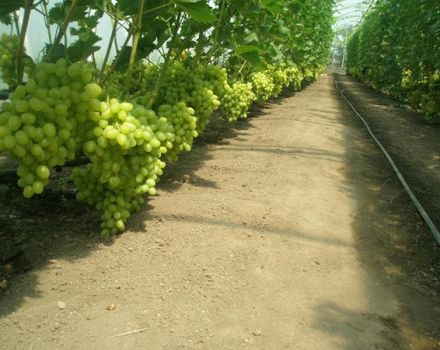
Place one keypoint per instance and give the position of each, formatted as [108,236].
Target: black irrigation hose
[402,180]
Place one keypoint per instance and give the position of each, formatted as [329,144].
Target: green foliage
[397,51]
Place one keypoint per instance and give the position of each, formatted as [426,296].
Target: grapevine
[133,115]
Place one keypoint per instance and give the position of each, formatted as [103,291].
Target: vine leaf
[59,51]
[6,19]
[81,49]
[251,54]
[238,4]
[122,64]
[198,11]
[56,14]
[273,6]
[128,7]
[9,7]
[246,49]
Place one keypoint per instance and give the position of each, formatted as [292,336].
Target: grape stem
[157,8]
[136,37]
[241,69]
[20,49]
[165,64]
[109,47]
[217,32]
[199,48]
[184,45]
[46,21]
[118,56]
[17,26]
[63,29]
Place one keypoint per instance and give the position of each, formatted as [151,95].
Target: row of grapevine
[131,115]
[397,51]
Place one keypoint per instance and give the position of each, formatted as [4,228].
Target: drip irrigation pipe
[423,213]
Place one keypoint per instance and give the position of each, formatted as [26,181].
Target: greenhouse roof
[349,13]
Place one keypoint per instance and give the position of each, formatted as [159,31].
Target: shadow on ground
[34,232]
[395,248]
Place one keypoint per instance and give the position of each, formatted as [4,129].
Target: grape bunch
[294,77]
[262,86]
[184,127]
[237,100]
[183,85]
[44,123]
[216,76]
[279,78]
[125,163]
[8,51]
[8,59]
[118,82]
[204,102]
[178,85]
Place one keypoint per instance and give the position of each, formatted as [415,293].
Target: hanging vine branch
[20,49]
[62,30]
[136,36]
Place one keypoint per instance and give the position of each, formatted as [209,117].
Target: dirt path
[413,143]
[291,233]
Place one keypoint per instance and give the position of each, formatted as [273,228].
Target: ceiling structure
[349,13]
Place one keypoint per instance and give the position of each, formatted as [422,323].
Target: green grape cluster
[178,85]
[237,100]
[183,85]
[150,75]
[119,82]
[184,126]
[216,76]
[42,125]
[113,86]
[279,78]
[204,102]
[294,77]
[262,86]
[8,59]
[8,54]
[124,147]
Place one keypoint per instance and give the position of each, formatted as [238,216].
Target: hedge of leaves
[397,51]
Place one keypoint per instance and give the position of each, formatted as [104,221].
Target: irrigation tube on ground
[402,180]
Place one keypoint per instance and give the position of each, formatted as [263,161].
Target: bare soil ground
[413,143]
[286,231]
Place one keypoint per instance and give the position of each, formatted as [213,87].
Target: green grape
[43,172]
